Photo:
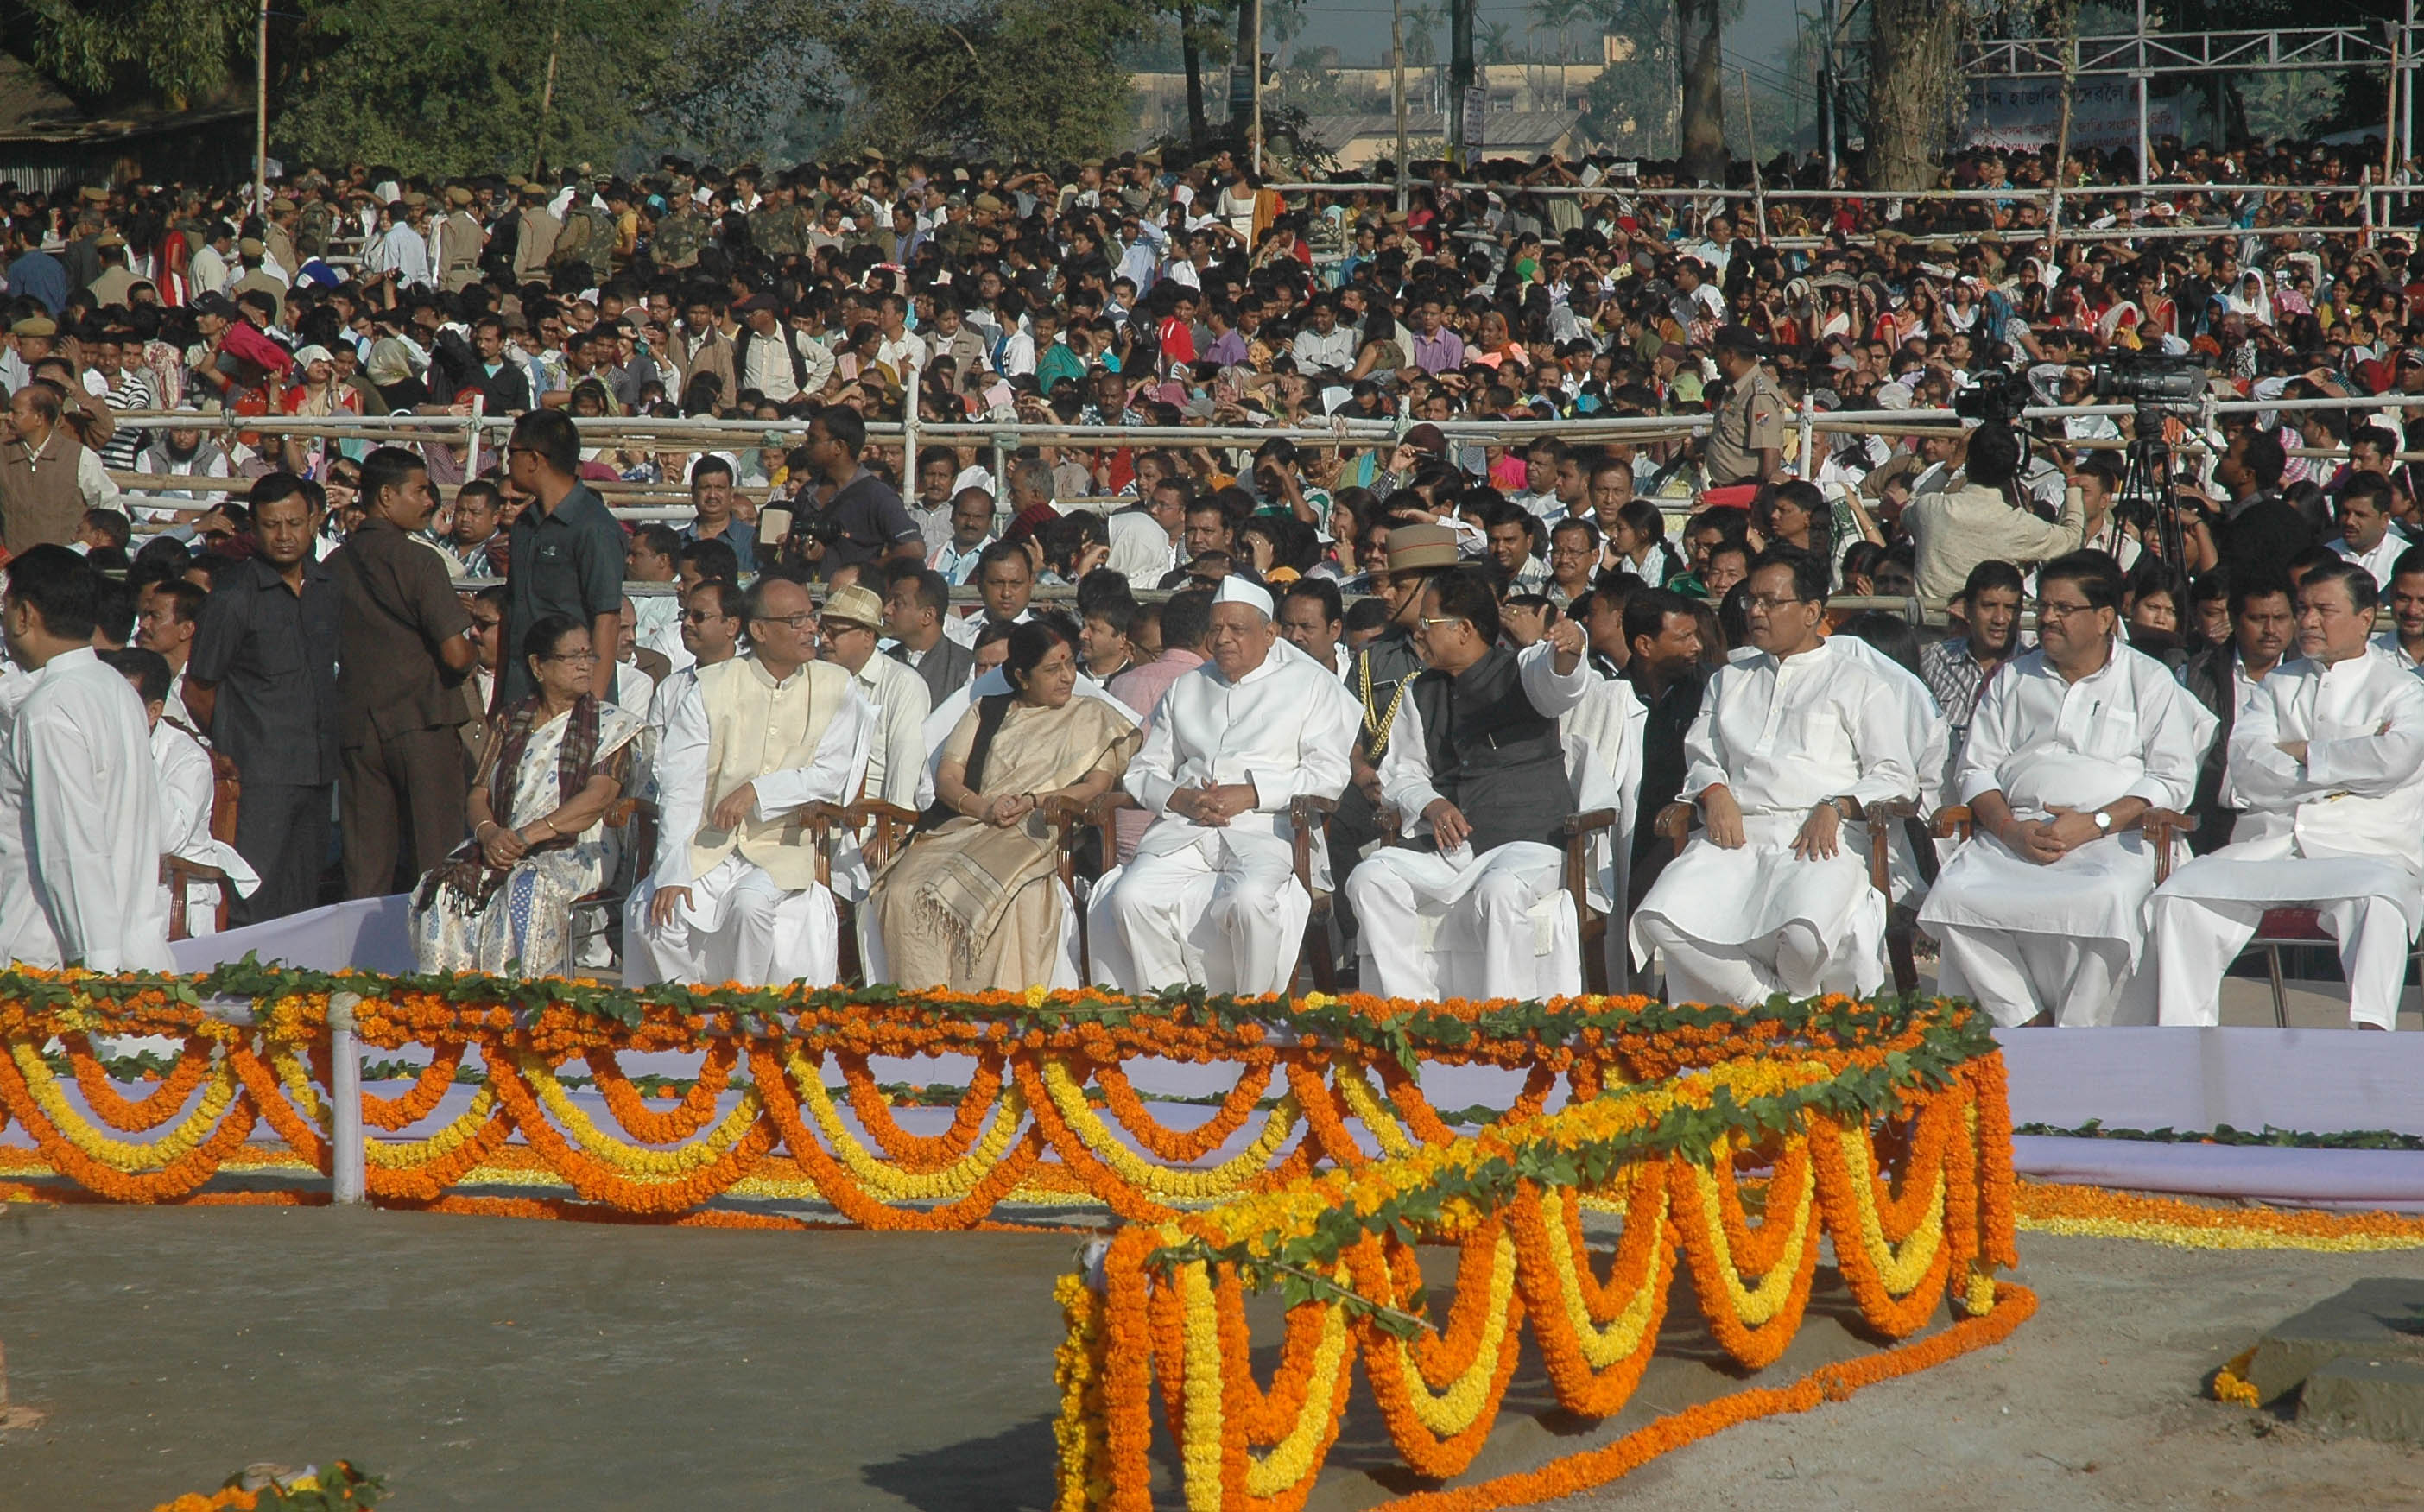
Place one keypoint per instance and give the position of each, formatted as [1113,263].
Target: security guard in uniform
[461,239]
[1378,680]
[1748,445]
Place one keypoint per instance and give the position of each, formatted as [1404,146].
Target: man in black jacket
[2262,624]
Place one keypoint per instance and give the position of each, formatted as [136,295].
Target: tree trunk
[1910,88]
[1700,29]
[1194,75]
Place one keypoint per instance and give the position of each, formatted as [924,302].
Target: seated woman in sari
[502,903]
[976,904]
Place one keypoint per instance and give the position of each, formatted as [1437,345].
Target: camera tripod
[2144,497]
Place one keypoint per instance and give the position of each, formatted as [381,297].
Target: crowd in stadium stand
[1404,702]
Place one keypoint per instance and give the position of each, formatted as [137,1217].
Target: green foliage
[454,86]
[2265,1137]
[181,49]
[1031,80]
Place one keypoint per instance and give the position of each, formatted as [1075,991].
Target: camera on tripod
[1994,399]
[2147,380]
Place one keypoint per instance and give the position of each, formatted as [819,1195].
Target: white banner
[2026,113]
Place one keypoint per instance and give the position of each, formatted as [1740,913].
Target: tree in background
[1029,79]
[456,85]
[95,48]
[1912,47]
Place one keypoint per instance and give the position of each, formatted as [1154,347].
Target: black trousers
[282,831]
[399,808]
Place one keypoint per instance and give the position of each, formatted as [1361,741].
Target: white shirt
[2126,730]
[2358,792]
[1141,551]
[832,774]
[188,790]
[1786,736]
[1406,768]
[1286,727]
[2378,559]
[896,758]
[80,827]
[1335,351]
[768,369]
[2388,641]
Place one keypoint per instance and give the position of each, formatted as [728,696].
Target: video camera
[2147,380]
[1994,399]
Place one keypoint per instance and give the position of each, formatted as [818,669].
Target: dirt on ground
[488,1364]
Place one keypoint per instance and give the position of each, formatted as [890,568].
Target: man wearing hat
[460,242]
[852,624]
[1380,671]
[1748,444]
[535,239]
[1476,773]
[1211,895]
[258,277]
[115,283]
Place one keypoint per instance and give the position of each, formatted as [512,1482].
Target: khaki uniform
[460,240]
[677,239]
[1750,421]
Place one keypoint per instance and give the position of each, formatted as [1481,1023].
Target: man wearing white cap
[852,623]
[1210,897]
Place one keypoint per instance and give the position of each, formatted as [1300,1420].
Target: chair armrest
[1953,822]
[1579,825]
[1889,808]
[1306,812]
[2164,827]
[1675,822]
[876,810]
[1882,819]
[174,870]
[623,811]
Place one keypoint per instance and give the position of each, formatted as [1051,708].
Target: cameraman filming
[1955,530]
[843,514]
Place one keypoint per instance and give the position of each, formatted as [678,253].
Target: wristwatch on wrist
[2103,821]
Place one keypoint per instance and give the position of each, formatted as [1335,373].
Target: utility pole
[546,95]
[1254,133]
[260,118]
[1827,85]
[1397,88]
[1460,76]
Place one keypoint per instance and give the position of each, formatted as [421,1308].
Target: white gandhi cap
[1236,590]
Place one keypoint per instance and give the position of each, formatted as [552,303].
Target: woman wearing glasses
[502,903]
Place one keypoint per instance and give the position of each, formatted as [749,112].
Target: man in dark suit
[2262,626]
[916,601]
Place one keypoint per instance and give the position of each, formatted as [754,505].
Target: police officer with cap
[1748,445]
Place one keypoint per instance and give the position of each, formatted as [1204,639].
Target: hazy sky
[1360,30]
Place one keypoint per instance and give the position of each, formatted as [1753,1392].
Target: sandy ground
[476,1362]
[2094,1403]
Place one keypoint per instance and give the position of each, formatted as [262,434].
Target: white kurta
[1782,737]
[1445,923]
[80,823]
[739,925]
[897,769]
[1219,904]
[187,791]
[1929,735]
[2127,730]
[2346,824]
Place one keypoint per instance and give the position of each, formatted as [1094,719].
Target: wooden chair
[1675,822]
[226,793]
[1309,816]
[2161,827]
[599,914]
